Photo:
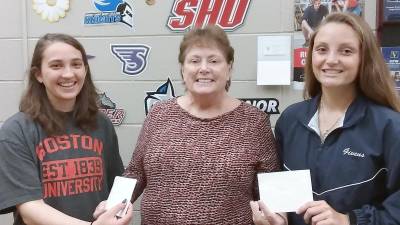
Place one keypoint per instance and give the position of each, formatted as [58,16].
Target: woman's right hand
[109,217]
[263,216]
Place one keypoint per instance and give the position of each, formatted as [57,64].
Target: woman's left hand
[263,216]
[321,213]
[100,209]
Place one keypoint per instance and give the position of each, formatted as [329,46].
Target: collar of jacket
[354,113]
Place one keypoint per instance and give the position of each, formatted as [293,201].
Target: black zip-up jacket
[356,170]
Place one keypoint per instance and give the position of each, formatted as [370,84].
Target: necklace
[324,133]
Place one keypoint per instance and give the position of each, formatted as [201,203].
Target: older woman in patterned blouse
[197,155]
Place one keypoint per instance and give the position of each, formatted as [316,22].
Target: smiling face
[316,4]
[63,74]
[205,71]
[336,56]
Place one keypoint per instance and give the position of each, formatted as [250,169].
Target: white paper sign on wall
[274,60]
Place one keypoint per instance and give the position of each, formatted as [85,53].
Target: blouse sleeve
[135,167]
[268,155]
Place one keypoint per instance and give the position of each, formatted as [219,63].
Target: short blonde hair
[209,36]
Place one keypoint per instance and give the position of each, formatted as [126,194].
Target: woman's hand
[110,217]
[100,209]
[263,216]
[320,213]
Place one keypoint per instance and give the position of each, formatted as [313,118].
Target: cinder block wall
[21,27]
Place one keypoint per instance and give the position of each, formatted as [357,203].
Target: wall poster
[392,58]
[391,10]
[308,14]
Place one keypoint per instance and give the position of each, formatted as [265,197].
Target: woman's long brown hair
[373,78]
[35,101]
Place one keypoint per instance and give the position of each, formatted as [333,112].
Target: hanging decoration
[150,2]
[51,10]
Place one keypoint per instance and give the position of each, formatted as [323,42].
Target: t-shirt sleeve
[115,166]
[326,11]
[19,174]
[306,15]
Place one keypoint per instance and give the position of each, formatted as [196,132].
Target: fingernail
[124,201]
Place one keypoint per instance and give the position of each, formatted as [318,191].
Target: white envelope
[122,189]
[285,191]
